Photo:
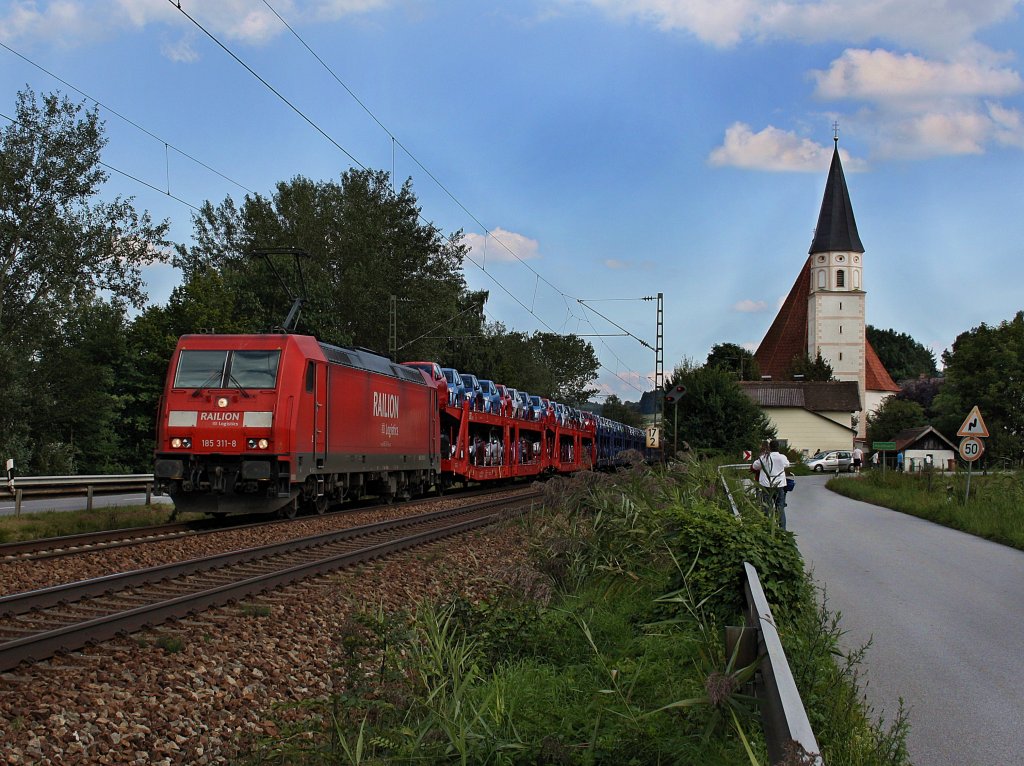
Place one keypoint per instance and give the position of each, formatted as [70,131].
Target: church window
[840,329]
[856,280]
[840,278]
[840,356]
[821,278]
[840,305]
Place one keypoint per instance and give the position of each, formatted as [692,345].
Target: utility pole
[659,359]
[393,328]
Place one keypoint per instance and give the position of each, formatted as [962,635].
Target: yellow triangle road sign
[974,425]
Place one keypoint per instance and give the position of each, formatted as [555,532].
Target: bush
[720,542]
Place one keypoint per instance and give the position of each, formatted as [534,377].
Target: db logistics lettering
[385,405]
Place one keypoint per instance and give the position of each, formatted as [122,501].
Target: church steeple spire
[837,228]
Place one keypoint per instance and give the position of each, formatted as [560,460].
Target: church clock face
[821,259]
[840,258]
[856,259]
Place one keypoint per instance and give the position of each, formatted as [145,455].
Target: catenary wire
[321,131]
[131,122]
[124,173]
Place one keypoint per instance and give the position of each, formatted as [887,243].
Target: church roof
[787,337]
[836,229]
[877,378]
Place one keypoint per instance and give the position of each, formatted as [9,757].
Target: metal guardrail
[21,487]
[783,714]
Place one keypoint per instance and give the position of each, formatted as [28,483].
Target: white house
[808,416]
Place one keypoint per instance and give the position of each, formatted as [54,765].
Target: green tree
[736,359]
[623,412]
[58,246]
[714,413]
[894,415]
[365,243]
[811,369]
[60,249]
[985,367]
[904,358]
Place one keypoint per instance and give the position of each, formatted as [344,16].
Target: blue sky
[618,147]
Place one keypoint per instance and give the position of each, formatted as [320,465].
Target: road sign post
[971,448]
[973,430]
[883,447]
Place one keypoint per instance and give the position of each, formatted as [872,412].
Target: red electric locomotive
[266,423]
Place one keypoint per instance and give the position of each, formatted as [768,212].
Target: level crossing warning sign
[974,425]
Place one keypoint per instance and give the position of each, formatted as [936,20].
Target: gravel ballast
[142,700]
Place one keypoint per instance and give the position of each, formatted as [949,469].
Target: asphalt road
[946,614]
[79,503]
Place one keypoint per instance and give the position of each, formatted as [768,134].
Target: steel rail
[49,642]
[88,542]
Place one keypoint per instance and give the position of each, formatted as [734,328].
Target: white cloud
[718,22]
[775,149]
[71,22]
[1007,125]
[924,24]
[181,51]
[880,75]
[750,346]
[749,306]
[615,263]
[917,107]
[501,245]
[952,132]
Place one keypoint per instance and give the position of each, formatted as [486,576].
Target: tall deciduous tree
[894,415]
[805,368]
[904,358]
[985,367]
[736,359]
[60,250]
[622,412]
[58,245]
[365,243]
[714,413]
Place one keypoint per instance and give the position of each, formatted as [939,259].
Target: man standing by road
[858,459]
[771,469]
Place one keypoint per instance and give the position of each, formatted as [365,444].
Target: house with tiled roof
[809,415]
[825,309]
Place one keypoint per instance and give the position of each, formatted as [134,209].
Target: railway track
[38,624]
[88,542]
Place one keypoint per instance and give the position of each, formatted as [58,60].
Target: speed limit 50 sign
[971,448]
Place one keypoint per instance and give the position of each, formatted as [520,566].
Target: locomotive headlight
[181,443]
[176,443]
[257,443]
[263,443]
[222,402]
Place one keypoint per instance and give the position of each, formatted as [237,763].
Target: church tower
[824,311]
[835,299]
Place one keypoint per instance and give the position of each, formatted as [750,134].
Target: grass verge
[32,526]
[994,511]
[612,652]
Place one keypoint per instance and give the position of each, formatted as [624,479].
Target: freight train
[280,422]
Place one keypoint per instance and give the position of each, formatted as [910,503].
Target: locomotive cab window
[254,369]
[310,377]
[200,369]
[227,369]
